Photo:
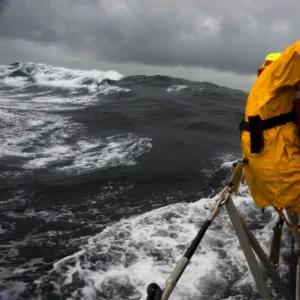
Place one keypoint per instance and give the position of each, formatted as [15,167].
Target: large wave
[34,136]
[25,74]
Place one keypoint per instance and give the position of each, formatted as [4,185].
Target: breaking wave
[26,75]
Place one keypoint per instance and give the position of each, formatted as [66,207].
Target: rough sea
[106,179]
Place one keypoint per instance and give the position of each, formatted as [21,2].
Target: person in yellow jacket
[270,135]
[268,60]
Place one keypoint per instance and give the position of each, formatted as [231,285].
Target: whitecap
[176,88]
[56,77]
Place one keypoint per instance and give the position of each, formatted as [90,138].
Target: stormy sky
[222,41]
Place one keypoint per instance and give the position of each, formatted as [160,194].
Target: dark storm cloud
[229,35]
[3,5]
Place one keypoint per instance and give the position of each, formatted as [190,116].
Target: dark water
[105,180]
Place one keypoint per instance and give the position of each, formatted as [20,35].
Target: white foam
[34,123]
[19,82]
[17,138]
[227,160]
[111,152]
[56,77]
[40,102]
[107,89]
[54,103]
[43,139]
[132,253]
[95,155]
[84,87]
[228,164]
[176,88]
[60,100]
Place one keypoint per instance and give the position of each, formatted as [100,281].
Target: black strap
[272,122]
[256,126]
[256,133]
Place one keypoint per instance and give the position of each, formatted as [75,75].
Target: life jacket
[269,133]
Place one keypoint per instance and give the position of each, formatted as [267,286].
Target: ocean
[106,179]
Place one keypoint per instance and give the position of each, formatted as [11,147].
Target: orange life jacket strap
[283,217]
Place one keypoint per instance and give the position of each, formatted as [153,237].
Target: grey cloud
[230,35]
[3,5]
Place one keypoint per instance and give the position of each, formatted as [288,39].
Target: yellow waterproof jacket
[273,175]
